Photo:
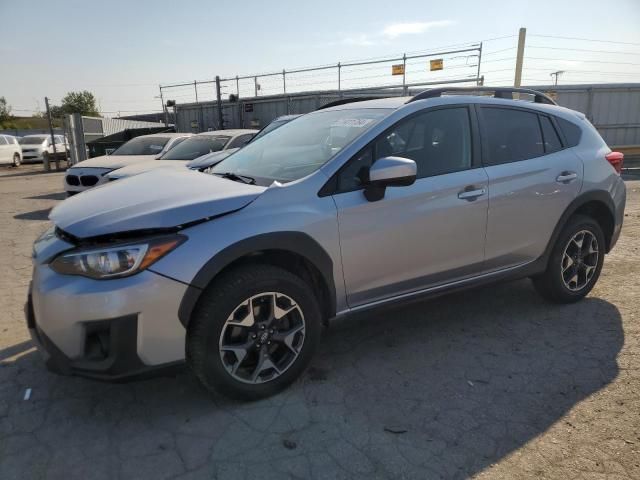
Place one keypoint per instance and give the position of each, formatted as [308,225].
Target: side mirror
[388,172]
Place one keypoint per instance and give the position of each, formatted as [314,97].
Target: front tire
[575,262]
[17,160]
[253,332]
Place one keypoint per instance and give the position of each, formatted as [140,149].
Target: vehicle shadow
[439,389]
[34,215]
[49,196]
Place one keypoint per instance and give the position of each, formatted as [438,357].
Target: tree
[83,103]
[5,110]
[56,111]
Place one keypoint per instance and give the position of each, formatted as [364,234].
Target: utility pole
[164,108]
[479,60]
[47,166]
[219,97]
[522,35]
[195,88]
[555,76]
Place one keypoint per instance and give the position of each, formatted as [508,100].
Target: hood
[113,161]
[161,198]
[141,167]
[210,159]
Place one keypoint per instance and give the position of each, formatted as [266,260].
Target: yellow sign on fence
[397,69]
[437,64]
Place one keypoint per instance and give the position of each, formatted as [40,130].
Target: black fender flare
[289,241]
[601,196]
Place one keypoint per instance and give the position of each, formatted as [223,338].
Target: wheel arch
[296,252]
[596,204]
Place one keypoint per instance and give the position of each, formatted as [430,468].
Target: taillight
[616,159]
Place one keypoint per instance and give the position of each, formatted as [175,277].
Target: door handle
[468,194]
[566,177]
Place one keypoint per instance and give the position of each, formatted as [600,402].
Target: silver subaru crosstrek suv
[341,210]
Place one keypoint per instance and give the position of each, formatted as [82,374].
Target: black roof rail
[344,101]
[498,92]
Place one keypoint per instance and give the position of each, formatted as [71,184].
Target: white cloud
[360,40]
[396,29]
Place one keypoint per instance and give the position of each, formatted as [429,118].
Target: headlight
[115,261]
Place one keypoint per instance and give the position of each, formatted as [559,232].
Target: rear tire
[240,341]
[575,262]
[17,161]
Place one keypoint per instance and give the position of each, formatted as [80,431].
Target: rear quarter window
[570,130]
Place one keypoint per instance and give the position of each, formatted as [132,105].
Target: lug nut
[253,336]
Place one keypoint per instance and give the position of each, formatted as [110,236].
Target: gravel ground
[490,383]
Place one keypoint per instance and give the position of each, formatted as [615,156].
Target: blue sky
[122,50]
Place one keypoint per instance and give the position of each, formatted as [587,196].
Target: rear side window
[551,140]
[3,141]
[571,131]
[510,135]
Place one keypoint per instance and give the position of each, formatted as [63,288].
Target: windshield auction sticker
[352,122]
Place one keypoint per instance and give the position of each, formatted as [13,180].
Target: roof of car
[167,134]
[232,132]
[393,103]
[389,102]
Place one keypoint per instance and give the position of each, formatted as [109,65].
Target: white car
[40,147]
[10,151]
[91,172]
[192,148]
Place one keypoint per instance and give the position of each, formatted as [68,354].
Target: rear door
[532,180]
[422,235]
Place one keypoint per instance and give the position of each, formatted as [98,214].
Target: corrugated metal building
[614,109]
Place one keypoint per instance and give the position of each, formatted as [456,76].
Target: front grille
[73,180]
[88,180]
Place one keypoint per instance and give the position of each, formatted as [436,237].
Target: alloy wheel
[579,260]
[262,337]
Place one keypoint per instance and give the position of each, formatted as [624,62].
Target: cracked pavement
[488,383]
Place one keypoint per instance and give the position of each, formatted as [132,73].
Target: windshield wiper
[237,178]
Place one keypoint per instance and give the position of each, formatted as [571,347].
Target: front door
[422,235]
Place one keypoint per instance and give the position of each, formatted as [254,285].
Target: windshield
[32,140]
[142,146]
[195,147]
[271,127]
[299,148]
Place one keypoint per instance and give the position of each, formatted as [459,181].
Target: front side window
[196,146]
[439,141]
[142,146]
[299,148]
[510,135]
